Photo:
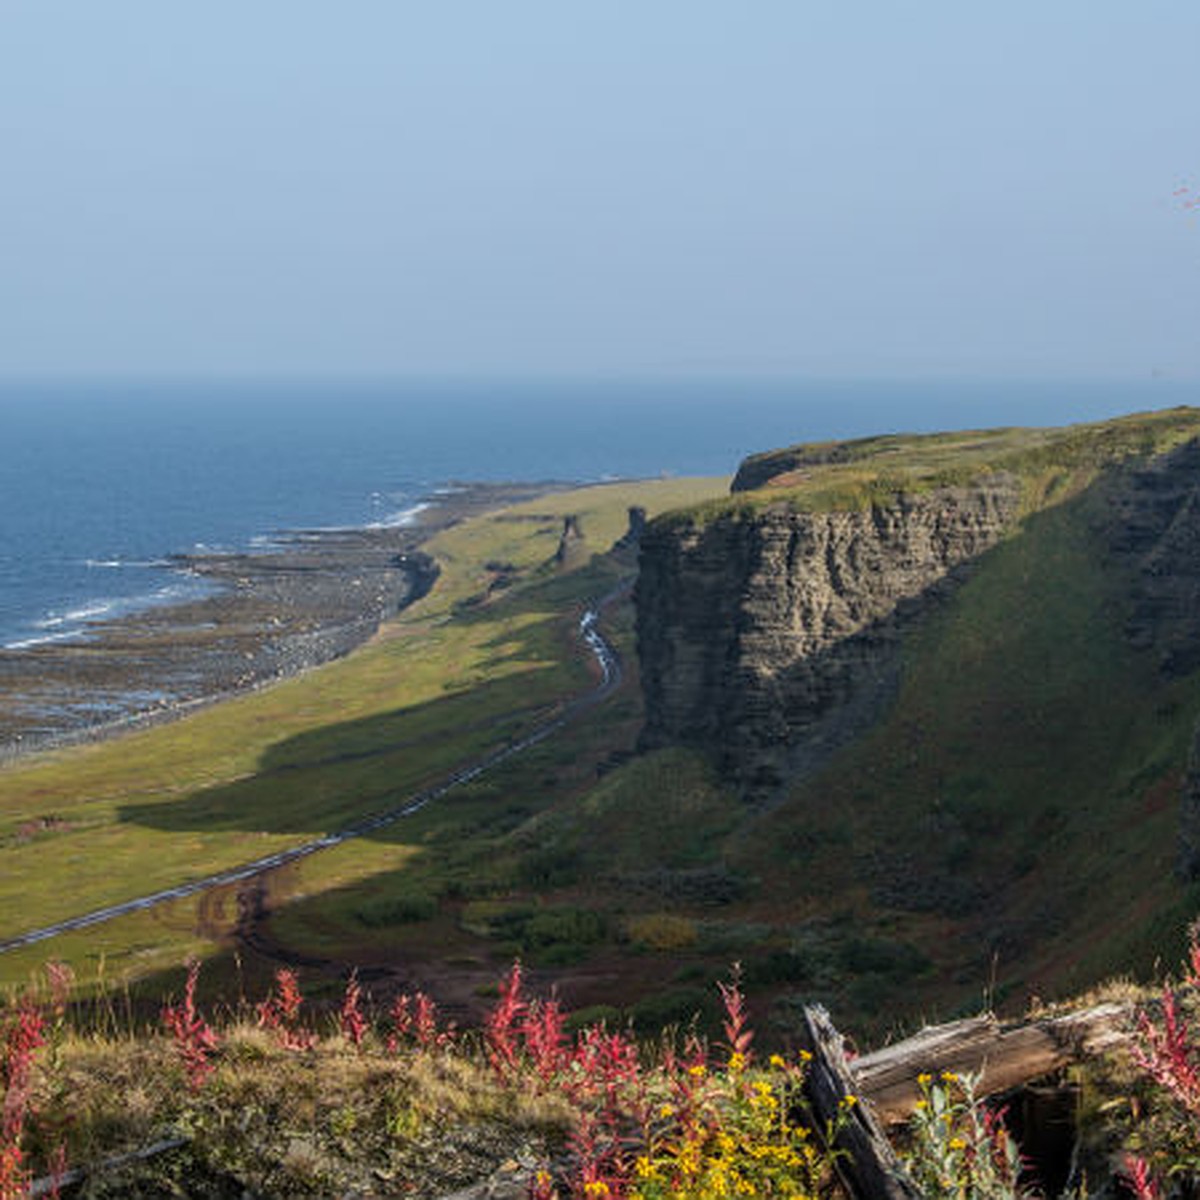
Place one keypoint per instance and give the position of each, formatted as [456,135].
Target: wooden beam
[999,1056]
[868,1167]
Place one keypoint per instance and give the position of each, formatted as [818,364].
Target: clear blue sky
[378,187]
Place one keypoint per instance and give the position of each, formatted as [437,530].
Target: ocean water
[100,481]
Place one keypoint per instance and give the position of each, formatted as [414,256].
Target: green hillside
[1009,826]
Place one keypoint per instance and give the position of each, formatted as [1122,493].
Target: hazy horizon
[682,190]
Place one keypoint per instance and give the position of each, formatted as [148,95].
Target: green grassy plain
[457,674]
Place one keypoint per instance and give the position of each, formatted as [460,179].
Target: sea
[101,481]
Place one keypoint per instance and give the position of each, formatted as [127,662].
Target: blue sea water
[99,481]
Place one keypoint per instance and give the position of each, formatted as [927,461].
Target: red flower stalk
[61,980]
[737,1035]
[1138,1176]
[416,1017]
[503,1023]
[195,1040]
[14,1179]
[354,1024]
[1166,1054]
[598,1171]
[280,1012]
[425,1023]
[20,1041]
[542,1031]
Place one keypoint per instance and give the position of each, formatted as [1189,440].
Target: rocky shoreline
[313,596]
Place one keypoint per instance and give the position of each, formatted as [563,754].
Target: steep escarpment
[771,635]
[769,626]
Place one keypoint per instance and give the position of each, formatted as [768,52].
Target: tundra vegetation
[276,1098]
[1007,827]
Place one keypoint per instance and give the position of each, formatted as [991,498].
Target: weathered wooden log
[49,1186]
[998,1056]
[868,1167]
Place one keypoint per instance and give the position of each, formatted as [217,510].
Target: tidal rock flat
[311,597]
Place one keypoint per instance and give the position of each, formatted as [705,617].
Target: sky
[377,188]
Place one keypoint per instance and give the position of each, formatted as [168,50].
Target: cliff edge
[770,627]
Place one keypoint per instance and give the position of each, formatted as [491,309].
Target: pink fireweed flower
[195,1040]
[353,1023]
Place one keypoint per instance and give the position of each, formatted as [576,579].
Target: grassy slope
[1009,826]
[442,683]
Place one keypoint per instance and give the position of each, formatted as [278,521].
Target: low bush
[404,909]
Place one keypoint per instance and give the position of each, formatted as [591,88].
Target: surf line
[606,658]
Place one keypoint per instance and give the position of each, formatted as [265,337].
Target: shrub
[663,932]
[404,909]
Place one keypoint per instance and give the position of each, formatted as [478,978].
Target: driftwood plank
[869,1168]
[999,1056]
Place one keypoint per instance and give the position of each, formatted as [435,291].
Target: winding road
[606,659]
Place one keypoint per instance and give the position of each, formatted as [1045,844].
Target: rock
[770,636]
[571,547]
[1154,531]
[632,537]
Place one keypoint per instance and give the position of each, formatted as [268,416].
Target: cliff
[772,636]
[769,627]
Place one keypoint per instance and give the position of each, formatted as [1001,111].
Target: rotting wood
[868,1166]
[997,1056]
[50,1185]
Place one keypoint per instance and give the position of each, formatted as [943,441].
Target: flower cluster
[689,1127]
[415,1021]
[20,1038]
[960,1148]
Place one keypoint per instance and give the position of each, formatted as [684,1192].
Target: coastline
[309,598]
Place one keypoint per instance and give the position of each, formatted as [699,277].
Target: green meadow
[459,673]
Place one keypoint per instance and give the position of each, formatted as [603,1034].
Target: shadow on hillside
[325,779]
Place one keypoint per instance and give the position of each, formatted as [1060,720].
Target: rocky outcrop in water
[769,636]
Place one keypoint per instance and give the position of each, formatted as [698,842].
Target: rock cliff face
[1154,532]
[1154,527]
[770,636]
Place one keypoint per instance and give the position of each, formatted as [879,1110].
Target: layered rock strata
[769,636]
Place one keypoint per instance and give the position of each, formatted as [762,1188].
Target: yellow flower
[596,1188]
[698,1071]
[805,1056]
[849,1101]
[924,1079]
[667,1110]
[776,1061]
[957,1143]
[949,1077]
[737,1061]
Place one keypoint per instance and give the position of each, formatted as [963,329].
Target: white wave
[406,516]
[90,609]
[74,622]
[28,643]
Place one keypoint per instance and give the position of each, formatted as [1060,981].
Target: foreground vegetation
[274,1098]
[1007,828]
